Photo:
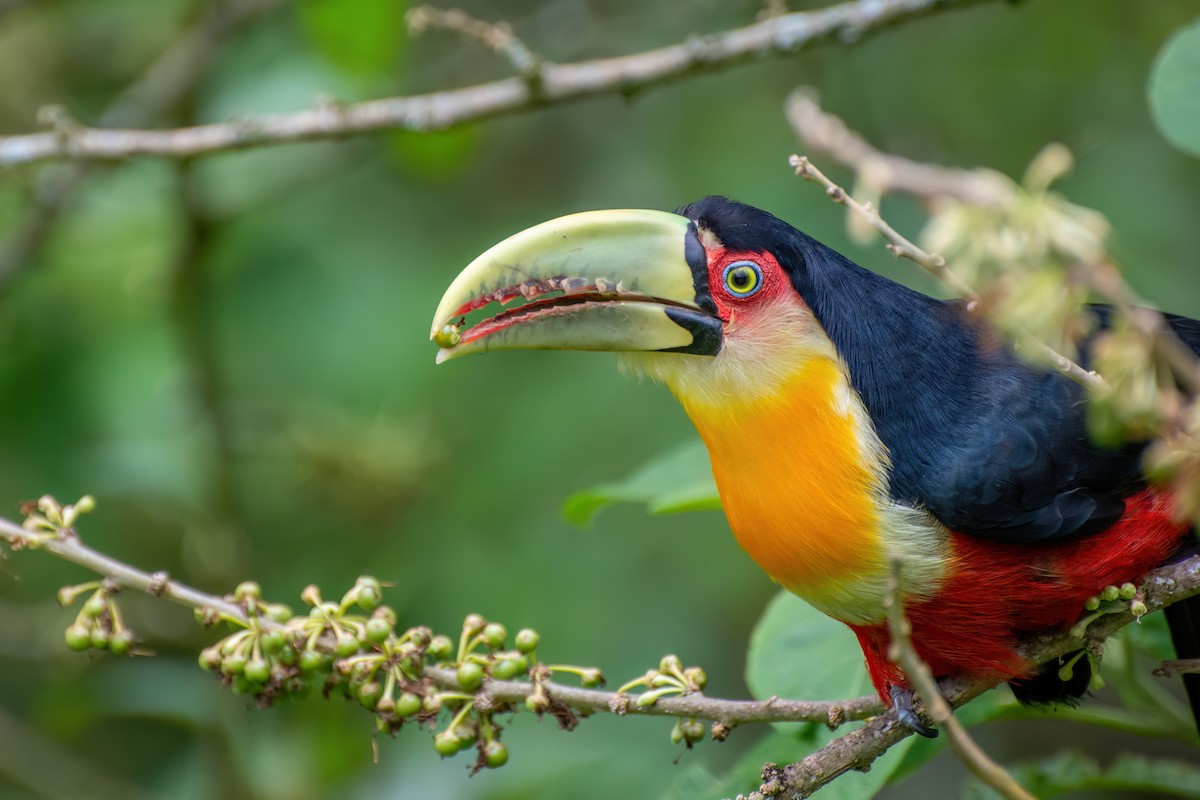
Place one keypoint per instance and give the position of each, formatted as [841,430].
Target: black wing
[992,447]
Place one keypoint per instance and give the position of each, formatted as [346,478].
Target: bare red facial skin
[775,283]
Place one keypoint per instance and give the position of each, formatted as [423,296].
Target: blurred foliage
[232,355]
[1175,89]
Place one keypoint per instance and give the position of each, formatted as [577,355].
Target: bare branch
[936,265]
[560,83]
[829,135]
[918,673]
[1179,666]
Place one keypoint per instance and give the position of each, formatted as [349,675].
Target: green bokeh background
[232,355]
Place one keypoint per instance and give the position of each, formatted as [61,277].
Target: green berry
[473,624]
[210,659]
[257,670]
[99,638]
[241,685]
[369,694]
[287,656]
[1138,609]
[693,731]
[494,635]
[346,645]
[509,668]
[369,592]
[446,744]
[440,648]
[470,676]
[1127,591]
[234,664]
[388,614]
[386,704]
[537,702]
[696,676]
[277,612]
[1110,593]
[527,640]
[78,637]
[95,605]
[447,336]
[432,704]
[1065,672]
[272,641]
[377,630]
[1092,603]
[311,661]
[592,677]
[121,642]
[407,704]
[247,590]
[495,754]
[677,733]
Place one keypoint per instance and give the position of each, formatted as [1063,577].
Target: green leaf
[1074,772]
[360,36]
[1174,89]
[799,653]
[679,480]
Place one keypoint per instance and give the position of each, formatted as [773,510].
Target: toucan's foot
[902,701]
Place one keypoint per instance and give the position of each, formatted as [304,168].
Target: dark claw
[902,701]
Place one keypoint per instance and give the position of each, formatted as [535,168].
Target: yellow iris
[743,278]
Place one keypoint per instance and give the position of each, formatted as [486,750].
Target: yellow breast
[794,481]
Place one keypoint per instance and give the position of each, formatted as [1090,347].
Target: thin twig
[1178,666]
[496,36]
[560,83]
[933,263]
[902,653]
[830,136]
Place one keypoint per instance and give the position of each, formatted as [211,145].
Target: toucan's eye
[743,278]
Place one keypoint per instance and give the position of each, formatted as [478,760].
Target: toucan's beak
[601,280]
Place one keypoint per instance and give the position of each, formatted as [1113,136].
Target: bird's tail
[1183,618]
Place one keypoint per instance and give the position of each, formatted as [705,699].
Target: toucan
[850,421]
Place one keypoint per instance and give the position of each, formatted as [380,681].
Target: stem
[919,674]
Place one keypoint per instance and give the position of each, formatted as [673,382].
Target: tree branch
[936,266]
[68,547]
[559,83]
